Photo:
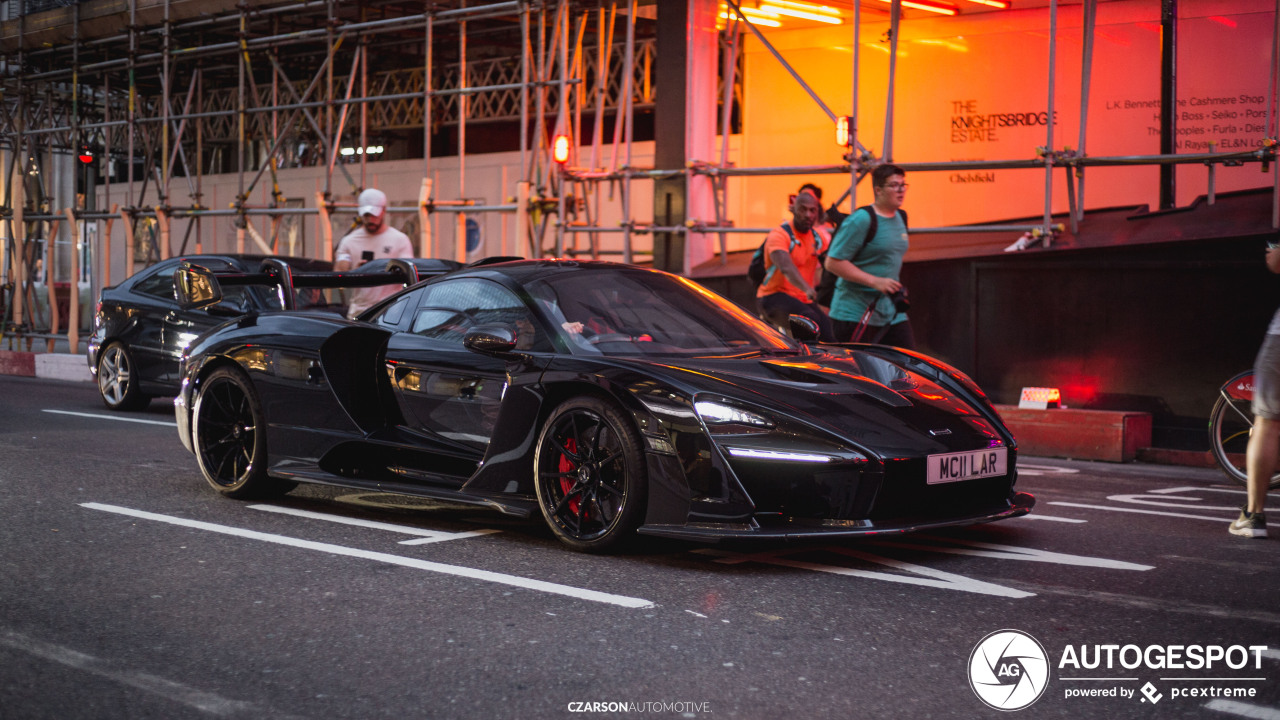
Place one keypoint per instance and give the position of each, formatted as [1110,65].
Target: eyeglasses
[896,186]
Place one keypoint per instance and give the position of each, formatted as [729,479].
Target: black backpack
[827,285]
[756,271]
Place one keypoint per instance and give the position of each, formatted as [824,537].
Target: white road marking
[100,416]
[931,577]
[1011,552]
[1189,488]
[208,702]
[1033,516]
[1257,712]
[1027,469]
[1141,512]
[427,536]
[1162,501]
[1271,654]
[455,570]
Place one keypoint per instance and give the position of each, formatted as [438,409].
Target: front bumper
[1019,503]
[182,415]
[91,354]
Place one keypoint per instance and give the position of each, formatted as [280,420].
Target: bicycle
[1230,423]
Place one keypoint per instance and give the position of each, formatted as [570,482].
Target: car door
[442,388]
[151,298]
[181,327]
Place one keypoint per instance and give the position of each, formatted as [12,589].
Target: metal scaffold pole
[895,19]
[562,53]
[729,75]
[1049,114]
[1086,76]
[628,114]
[130,132]
[855,116]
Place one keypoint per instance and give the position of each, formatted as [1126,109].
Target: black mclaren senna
[610,399]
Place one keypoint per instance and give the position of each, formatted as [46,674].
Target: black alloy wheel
[116,381]
[590,475]
[229,435]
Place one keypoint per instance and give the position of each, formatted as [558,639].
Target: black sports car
[606,397]
[139,332]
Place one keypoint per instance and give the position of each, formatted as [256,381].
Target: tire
[1230,424]
[116,382]
[590,475]
[229,434]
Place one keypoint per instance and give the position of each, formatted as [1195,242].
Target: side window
[392,314]
[236,295]
[447,310]
[159,284]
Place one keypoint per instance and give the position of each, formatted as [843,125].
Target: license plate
[970,465]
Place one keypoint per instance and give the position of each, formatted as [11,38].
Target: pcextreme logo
[1008,670]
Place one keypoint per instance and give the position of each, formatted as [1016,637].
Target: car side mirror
[195,287]
[803,329]
[497,340]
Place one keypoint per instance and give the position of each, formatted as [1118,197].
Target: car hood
[860,397]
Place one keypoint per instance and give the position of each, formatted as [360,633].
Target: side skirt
[521,507]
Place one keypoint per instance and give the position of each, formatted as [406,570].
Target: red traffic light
[86,154]
[560,149]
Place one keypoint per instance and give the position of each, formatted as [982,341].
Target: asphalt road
[129,589]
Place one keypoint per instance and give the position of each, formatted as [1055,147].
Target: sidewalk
[50,366]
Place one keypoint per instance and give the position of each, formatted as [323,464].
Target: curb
[49,366]
[1167,456]
[1108,435]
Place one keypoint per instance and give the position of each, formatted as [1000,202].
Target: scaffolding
[166,97]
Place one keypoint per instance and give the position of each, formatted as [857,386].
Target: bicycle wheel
[1229,426]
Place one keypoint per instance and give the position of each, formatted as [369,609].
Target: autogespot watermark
[1010,670]
[631,706]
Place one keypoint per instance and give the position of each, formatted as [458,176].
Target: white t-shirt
[389,243]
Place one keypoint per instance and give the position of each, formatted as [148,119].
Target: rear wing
[196,287]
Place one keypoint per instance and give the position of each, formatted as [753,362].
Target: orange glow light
[560,149]
[802,14]
[937,7]
[823,9]
[755,17]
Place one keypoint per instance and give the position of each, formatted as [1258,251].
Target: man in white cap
[374,239]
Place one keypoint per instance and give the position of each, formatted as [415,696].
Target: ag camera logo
[1008,670]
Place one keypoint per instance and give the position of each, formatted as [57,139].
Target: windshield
[638,312]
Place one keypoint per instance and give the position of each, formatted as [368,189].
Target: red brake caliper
[567,466]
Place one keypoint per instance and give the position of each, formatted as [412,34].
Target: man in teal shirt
[869,267]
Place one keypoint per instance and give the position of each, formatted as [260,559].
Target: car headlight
[727,418]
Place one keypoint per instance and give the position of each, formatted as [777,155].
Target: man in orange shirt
[792,269]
